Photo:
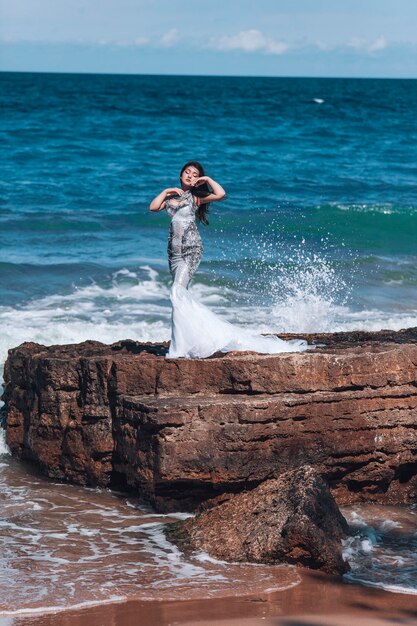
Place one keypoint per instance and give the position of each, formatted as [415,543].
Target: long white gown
[196,331]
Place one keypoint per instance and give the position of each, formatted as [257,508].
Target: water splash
[298,289]
[309,293]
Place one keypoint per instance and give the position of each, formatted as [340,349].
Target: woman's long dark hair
[200,192]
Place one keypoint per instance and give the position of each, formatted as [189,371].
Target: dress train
[197,332]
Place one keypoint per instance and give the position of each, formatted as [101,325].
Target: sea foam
[4,449]
[381,551]
[305,294]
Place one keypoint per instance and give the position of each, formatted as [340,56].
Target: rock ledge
[183,431]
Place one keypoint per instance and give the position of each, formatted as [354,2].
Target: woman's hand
[158,203]
[174,191]
[200,180]
[218,192]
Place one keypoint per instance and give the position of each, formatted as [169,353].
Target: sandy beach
[318,600]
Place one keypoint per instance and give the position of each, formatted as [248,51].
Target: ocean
[318,233]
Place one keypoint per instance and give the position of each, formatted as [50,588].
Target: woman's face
[189,176]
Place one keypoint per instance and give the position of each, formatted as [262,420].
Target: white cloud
[321,45]
[250,41]
[139,42]
[170,38]
[364,45]
[378,44]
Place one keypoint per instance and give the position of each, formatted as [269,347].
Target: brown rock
[182,431]
[291,519]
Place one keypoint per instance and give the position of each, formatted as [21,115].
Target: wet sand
[318,600]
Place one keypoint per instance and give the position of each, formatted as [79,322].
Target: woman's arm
[158,203]
[218,191]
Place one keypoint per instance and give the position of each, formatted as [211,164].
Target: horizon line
[78,73]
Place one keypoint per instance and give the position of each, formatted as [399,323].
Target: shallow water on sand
[63,545]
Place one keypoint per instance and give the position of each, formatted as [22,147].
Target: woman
[196,331]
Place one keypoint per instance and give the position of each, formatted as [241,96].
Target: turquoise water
[318,231]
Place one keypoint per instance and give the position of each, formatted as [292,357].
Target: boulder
[291,519]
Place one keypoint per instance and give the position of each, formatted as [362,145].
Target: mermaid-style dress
[196,331]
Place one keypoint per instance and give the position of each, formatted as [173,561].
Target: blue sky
[368,38]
